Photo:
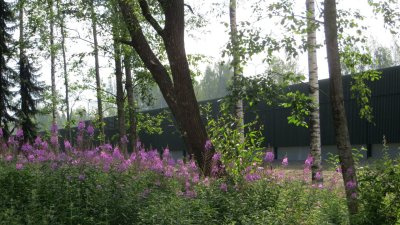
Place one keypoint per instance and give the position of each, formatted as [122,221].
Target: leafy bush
[236,155]
[379,185]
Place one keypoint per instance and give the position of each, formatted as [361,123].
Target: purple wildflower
[216,156]
[90,130]
[252,177]
[285,161]
[169,171]
[82,177]
[31,158]
[318,175]
[38,141]
[1,133]
[351,184]
[206,181]
[81,125]
[196,178]
[124,166]
[19,166]
[354,195]
[106,147]
[54,128]
[19,134]
[190,194]
[27,147]
[54,140]
[166,154]
[45,145]
[138,144]
[54,166]
[269,157]
[117,154]
[215,170]
[309,161]
[157,165]
[171,162]
[124,139]
[67,145]
[12,141]
[133,156]
[208,145]
[224,187]
[79,139]
[192,165]
[9,158]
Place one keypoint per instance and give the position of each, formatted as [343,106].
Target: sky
[215,40]
[210,41]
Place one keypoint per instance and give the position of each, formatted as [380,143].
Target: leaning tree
[174,81]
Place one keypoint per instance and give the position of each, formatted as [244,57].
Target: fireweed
[102,185]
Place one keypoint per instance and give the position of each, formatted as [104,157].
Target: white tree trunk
[315,131]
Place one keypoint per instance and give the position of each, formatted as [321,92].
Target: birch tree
[314,127]
[237,69]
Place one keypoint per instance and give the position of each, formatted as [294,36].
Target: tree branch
[142,47]
[83,39]
[153,22]
[189,7]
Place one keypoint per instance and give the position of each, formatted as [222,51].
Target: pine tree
[30,88]
[7,74]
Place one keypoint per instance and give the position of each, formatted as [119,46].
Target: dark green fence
[278,133]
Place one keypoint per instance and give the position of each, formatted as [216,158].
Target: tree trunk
[52,65]
[120,97]
[338,110]
[66,82]
[97,71]
[22,65]
[237,69]
[178,91]
[315,131]
[131,102]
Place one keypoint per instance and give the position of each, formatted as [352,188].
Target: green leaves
[390,11]
[272,89]
[356,59]
[362,93]
[236,155]
[300,104]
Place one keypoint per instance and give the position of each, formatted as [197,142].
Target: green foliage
[151,124]
[236,155]
[300,104]
[389,9]
[39,194]
[356,59]
[358,155]
[379,185]
[362,93]
[273,89]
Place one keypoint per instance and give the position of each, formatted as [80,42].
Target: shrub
[379,185]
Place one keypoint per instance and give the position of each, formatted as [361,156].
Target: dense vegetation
[99,185]
[228,177]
